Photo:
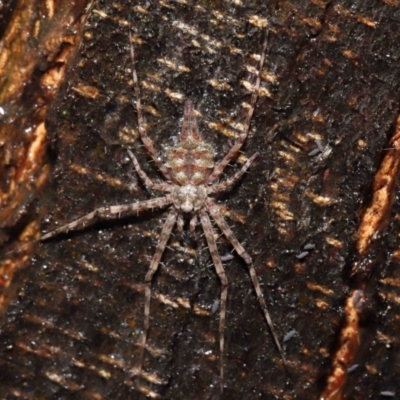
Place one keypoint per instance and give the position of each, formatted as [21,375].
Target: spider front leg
[164,237]
[219,168]
[192,224]
[163,187]
[212,245]
[105,213]
[180,223]
[227,231]
[218,187]
[148,143]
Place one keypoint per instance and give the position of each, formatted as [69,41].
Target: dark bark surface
[331,79]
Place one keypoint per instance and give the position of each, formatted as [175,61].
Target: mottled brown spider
[191,177]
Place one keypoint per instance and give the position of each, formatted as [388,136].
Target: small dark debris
[314,152]
[227,257]
[352,368]
[289,335]
[302,255]
[387,393]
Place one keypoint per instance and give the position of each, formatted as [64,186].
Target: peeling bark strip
[370,226]
[36,48]
[349,342]
[382,198]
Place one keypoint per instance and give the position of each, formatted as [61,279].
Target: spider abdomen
[190,162]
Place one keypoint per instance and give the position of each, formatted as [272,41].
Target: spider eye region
[189,198]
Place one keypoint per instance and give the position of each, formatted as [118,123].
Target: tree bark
[317,211]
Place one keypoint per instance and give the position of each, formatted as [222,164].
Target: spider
[191,177]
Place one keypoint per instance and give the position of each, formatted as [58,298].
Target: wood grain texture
[331,80]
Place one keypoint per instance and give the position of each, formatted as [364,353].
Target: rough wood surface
[37,45]
[322,127]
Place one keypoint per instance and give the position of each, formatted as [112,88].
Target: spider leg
[192,224]
[212,245]
[180,223]
[164,237]
[219,219]
[105,213]
[163,186]
[218,187]
[148,143]
[219,168]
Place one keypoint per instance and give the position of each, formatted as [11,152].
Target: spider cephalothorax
[189,198]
